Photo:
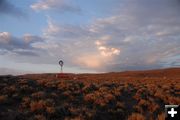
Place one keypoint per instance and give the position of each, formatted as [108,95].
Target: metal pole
[61,70]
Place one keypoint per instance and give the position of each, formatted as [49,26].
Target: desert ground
[129,95]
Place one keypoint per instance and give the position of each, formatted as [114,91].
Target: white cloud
[51,30]
[58,5]
[4,37]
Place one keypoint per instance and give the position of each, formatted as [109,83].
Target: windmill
[63,75]
[61,63]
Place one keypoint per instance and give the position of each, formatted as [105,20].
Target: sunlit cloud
[105,50]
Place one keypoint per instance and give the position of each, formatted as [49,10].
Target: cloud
[142,35]
[64,31]
[57,5]
[68,42]
[7,8]
[21,46]
[104,50]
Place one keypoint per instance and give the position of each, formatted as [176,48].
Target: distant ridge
[155,72]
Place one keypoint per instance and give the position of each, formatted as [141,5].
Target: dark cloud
[21,46]
[8,8]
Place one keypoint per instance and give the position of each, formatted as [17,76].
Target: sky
[88,35]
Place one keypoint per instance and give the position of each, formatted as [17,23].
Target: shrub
[12,88]
[153,107]
[109,97]
[39,94]
[3,98]
[39,117]
[138,108]
[137,96]
[89,88]
[144,103]
[136,116]
[25,101]
[103,89]
[117,91]
[120,105]
[173,100]
[37,105]
[101,102]
[50,110]
[161,116]
[89,97]
[67,93]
